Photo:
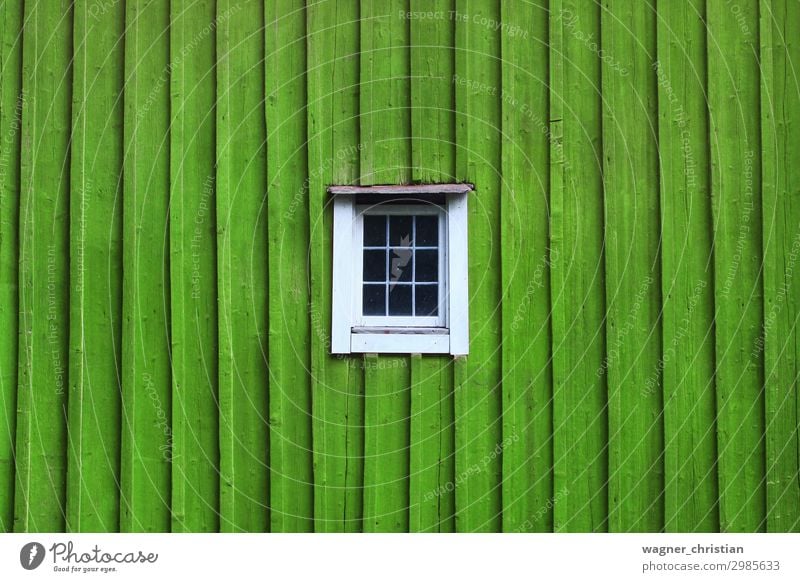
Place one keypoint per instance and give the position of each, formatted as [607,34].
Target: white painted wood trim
[392,343]
[341,311]
[458,281]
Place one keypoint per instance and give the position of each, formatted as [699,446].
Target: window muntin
[399,275]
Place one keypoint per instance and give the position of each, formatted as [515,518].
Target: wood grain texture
[42,440]
[432,485]
[527,383]
[779,23]
[580,414]
[147,435]
[292,483]
[95,382]
[385,113]
[477,377]
[433,152]
[11,102]
[242,267]
[165,222]
[337,383]
[733,97]
[631,178]
[193,273]
[385,130]
[387,410]
[687,358]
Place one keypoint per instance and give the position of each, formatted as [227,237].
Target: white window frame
[416,209]
[447,333]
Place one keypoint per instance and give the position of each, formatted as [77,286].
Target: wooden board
[733,99]
[687,285]
[527,383]
[433,152]
[242,268]
[95,375]
[779,21]
[580,412]
[147,434]
[42,440]
[337,383]
[385,131]
[633,332]
[11,103]
[477,377]
[193,269]
[292,483]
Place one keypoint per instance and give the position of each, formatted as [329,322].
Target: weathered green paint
[385,131]
[11,102]
[95,278]
[41,440]
[242,267]
[147,436]
[687,284]
[165,265]
[733,101]
[477,378]
[780,110]
[527,384]
[580,413]
[193,273]
[292,483]
[333,157]
[633,332]
[433,150]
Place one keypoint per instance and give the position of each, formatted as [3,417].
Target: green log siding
[166,244]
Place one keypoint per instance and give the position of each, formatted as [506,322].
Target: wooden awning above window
[394,190]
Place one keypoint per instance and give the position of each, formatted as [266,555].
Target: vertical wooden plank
[733,88]
[11,101]
[242,268]
[477,377]
[291,488]
[432,91]
[580,423]
[432,480]
[527,454]
[195,467]
[687,271]
[147,436]
[386,443]
[385,120]
[44,258]
[385,112]
[432,486]
[95,274]
[780,116]
[333,158]
[636,438]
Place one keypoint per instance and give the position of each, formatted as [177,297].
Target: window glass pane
[427,231]
[374,300]
[401,263]
[400,231]
[375,265]
[427,300]
[374,230]
[427,265]
[400,299]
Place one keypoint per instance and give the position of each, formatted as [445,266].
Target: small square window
[400,269]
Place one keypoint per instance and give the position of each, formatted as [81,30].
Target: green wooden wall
[165,265]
